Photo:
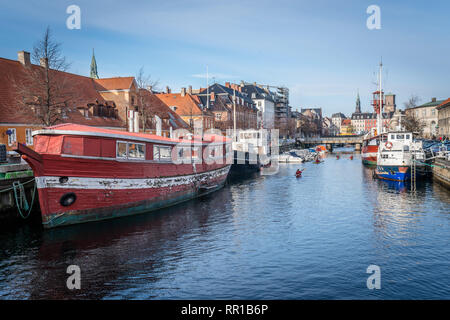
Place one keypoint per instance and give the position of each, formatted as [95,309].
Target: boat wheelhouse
[87,174]
[400,156]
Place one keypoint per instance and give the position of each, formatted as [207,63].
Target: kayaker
[298,173]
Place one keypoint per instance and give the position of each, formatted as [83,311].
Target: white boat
[400,156]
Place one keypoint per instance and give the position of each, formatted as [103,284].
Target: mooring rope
[21,198]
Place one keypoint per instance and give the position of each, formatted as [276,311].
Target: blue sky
[322,50]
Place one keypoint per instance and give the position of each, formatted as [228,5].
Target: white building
[264,102]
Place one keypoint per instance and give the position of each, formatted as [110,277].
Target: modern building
[427,113]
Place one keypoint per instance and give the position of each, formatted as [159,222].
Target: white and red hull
[369,151]
[369,155]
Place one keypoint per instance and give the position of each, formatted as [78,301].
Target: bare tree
[144,82]
[412,124]
[42,88]
[412,102]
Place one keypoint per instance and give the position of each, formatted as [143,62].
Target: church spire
[94,73]
[358,104]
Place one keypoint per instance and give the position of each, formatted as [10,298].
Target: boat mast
[234,115]
[380,104]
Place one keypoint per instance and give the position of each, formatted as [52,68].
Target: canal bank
[268,237]
[441,172]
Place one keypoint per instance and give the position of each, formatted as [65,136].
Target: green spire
[94,73]
[358,104]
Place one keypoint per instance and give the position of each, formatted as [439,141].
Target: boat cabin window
[400,136]
[121,149]
[405,148]
[136,150]
[163,153]
[407,137]
[130,150]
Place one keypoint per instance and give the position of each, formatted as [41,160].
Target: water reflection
[264,237]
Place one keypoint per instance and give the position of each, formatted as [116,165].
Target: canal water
[266,237]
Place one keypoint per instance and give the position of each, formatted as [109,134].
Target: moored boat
[87,174]
[400,157]
[369,149]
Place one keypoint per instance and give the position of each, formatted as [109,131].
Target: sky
[321,50]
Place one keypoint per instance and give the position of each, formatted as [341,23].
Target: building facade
[444,119]
[264,102]
[427,113]
[230,106]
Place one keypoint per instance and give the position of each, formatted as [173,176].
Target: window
[218,116]
[400,136]
[121,149]
[162,153]
[11,135]
[136,150]
[28,137]
[130,150]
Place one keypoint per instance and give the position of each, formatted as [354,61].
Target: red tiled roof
[81,90]
[346,122]
[444,104]
[185,105]
[117,83]
[159,108]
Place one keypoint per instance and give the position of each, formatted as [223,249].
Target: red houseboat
[87,174]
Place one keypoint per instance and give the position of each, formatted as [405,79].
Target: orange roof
[443,104]
[346,122]
[117,83]
[186,105]
[79,89]
[159,108]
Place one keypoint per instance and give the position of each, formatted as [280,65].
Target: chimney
[43,62]
[24,58]
[183,92]
[433,99]
[167,89]
[227,84]
[190,90]
[150,88]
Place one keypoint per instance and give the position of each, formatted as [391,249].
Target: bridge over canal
[356,140]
